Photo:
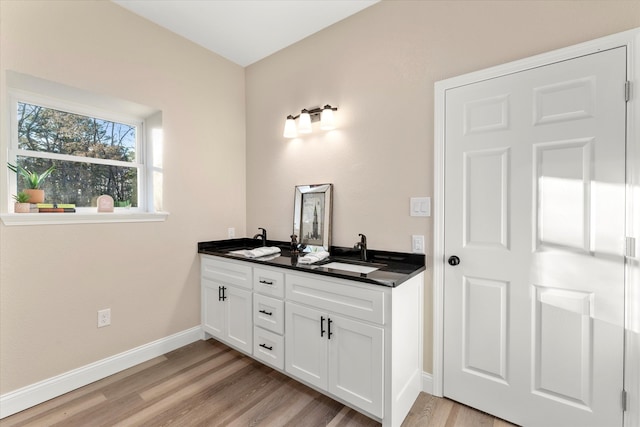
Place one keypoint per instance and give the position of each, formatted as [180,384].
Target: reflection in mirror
[312,216]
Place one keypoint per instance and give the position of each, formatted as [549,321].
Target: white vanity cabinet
[359,343]
[227,302]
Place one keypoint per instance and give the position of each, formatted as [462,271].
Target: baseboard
[427,382]
[34,394]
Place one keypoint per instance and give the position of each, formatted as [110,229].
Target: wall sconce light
[307,116]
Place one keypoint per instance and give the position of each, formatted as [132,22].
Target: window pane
[54,131]
[82,183]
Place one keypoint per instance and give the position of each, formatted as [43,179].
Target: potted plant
[22,204]
[32,181]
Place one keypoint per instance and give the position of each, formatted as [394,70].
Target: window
[91,156]
[96,144]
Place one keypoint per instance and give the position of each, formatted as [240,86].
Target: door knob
[453,260]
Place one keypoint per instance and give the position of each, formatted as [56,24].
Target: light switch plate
[420,206]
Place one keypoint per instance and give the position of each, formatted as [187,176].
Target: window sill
[80,218]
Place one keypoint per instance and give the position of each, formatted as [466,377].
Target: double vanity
[349,328]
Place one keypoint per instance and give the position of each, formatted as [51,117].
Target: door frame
[631,40]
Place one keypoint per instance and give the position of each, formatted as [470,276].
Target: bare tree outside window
[91,156]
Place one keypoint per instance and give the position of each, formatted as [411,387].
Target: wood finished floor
[208,384]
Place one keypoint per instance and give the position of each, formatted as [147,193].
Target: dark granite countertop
[394,268]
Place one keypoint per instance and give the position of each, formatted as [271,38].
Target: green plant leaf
[31,179]
[21,197]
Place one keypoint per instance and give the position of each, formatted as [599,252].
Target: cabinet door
[213,309]
[356,355]
[238,316]
[306,349]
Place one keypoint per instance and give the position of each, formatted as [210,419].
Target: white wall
[54,278]
[379,67]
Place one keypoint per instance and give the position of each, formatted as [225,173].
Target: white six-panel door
[535,205]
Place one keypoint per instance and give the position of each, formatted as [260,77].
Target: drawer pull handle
[266,346]
[268,313]
[265,282]
[322,331]
[329,322]
[221,295]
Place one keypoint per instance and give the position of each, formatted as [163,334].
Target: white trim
[80,218]
[438,242]
[31,395]
[630,39]
[427,382]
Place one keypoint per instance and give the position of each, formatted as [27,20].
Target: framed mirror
[312,216]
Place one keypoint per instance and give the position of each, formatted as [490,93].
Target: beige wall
[379,67]
[54,278]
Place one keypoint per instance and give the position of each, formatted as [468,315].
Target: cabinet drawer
[226,271]
[338,296]
[268,282]
[268,347]
[268,313]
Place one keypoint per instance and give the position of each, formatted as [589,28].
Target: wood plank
[209,384]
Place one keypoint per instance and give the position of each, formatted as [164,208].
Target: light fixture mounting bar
[324,115]
[315,112]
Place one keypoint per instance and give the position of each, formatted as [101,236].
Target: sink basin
[364,269]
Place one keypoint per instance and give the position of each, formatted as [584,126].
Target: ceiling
[245,31]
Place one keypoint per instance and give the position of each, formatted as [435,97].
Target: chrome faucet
[362,245]
[262,236]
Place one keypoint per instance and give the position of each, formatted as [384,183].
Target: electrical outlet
[231,233]
[417,244]
[104,317]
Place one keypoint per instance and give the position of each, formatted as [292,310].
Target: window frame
[76,101]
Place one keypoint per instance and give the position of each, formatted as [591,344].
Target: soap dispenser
[294,244]
[294,249]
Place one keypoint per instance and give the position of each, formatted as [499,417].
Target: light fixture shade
[290,130]
[304,123]
[327,121]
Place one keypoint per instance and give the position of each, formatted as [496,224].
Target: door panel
[485,328]
[535,205]
[563,345]
[486,198]
[562,193]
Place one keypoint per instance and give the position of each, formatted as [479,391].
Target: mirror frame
[313,228]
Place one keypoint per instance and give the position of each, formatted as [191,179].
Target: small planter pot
[21,207]
[35,195]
